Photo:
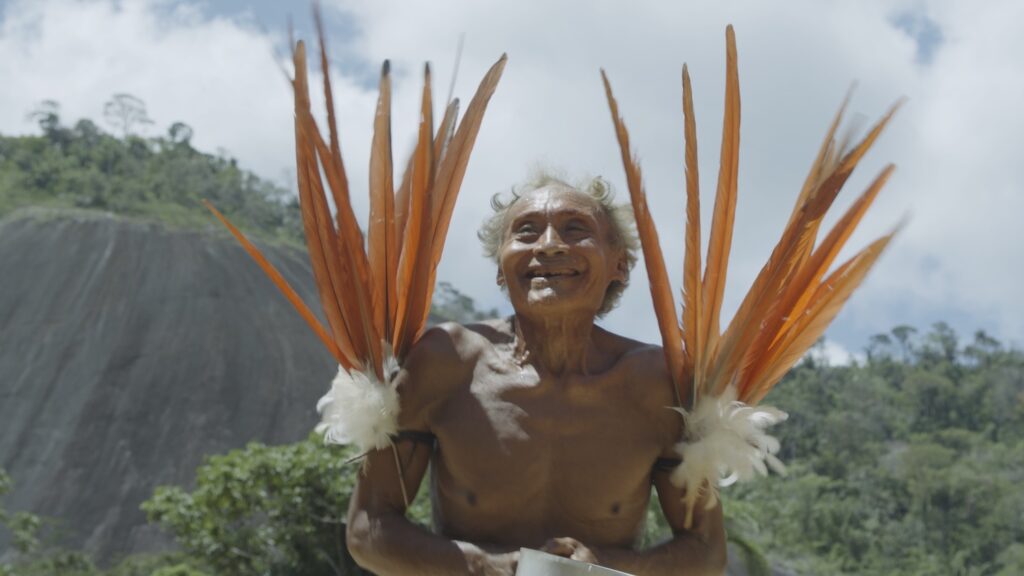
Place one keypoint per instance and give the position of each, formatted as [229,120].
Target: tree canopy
[162,177]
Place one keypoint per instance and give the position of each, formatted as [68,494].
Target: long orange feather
[829,248]
[826,303]
[339,193]
[776,307]
[762,306]
[412,267]
[720,241]
[452,170]
[381,227]
[380,293]
[661,289]
[349,293]
[282,285]
[314,243]
[794,301]
[453,166]
[444,135]
[692,290]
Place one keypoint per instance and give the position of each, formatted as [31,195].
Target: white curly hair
[622,226]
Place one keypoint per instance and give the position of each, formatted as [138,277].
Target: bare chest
[524,459]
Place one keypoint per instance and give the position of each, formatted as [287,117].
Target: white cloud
[955,141]
[832,353]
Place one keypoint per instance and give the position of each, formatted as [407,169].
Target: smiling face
[557,255]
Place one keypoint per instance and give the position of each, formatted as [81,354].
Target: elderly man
[541,430]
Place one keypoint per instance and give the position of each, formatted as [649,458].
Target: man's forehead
[555,199]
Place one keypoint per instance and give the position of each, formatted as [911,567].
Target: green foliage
[451,305]
[908,464]
[264,510]
[162,178]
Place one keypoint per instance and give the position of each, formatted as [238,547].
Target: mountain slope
[128,350]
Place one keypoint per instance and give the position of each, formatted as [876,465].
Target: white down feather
[725,441]
[359,409]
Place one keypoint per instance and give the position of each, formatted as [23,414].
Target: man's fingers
[564,547]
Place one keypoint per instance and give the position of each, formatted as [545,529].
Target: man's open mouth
[531,274]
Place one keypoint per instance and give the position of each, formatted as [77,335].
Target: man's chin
[549,301]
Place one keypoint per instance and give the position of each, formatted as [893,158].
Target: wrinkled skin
[547,427]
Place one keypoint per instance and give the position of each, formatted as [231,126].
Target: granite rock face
[127,352]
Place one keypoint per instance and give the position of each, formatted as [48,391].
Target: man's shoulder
[441,361]
[646,366]
[634,353]
[451,342]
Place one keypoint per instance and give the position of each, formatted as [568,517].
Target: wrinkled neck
[554,345]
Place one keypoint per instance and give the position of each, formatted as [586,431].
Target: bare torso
[522,457]
[548,428]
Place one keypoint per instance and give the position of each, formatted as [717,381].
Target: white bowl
[537,563]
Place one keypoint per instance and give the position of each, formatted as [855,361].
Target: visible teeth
[551,274]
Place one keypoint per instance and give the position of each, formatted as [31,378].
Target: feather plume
[724,213]
[375,297]
[786,309]
[382,257]
[413,267]
[453,167]
[725,442]
[451,171]
[692,291]
[359,409]
[827,301]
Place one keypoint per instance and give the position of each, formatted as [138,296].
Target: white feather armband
[725,441]
[360,409]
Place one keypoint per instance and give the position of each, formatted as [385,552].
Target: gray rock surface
[127,352]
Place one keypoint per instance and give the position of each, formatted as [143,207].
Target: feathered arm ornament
[720,377]
[376,299]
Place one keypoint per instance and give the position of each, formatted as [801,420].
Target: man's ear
[500,278]
[621,267]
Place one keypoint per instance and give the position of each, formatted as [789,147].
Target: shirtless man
[542,430]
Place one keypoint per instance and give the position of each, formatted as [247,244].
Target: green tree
[264,510]
[125,113]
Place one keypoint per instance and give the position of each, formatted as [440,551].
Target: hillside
[127,352]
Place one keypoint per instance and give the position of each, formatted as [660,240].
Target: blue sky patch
[923,30]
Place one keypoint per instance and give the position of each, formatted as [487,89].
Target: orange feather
[720,241]
[452,169]
[661,290]
[692,290]
[381,227]
[314,242]
[453,166]
[412,268]
[788,306]
[282,285]
[827,301]
[380,293]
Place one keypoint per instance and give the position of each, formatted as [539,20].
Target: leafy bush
[264,510]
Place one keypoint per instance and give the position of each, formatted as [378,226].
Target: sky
[956,142]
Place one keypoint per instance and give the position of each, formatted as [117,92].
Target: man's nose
[550,243]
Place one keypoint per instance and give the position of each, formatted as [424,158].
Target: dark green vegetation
[909,462]
[162,178]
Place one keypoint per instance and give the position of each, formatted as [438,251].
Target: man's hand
[497,564]
[570,548]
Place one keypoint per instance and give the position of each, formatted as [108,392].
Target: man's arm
[383,540]
[379,536]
